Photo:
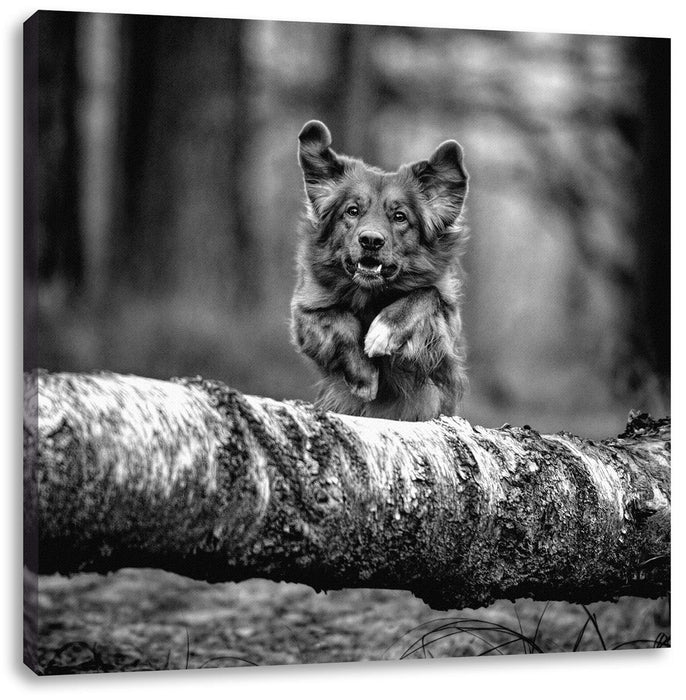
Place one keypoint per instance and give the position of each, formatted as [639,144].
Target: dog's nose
[371,240]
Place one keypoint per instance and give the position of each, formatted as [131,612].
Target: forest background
[169,197]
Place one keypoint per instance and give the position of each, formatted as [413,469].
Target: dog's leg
[419,327]
[333,339]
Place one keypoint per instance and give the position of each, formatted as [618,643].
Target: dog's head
[381,230]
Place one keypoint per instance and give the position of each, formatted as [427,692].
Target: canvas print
[342,343]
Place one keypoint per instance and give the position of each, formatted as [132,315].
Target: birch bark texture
[196,478]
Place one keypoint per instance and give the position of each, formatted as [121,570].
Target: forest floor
[135,620]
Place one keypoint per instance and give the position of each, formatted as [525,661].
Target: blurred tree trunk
[99,61]
[645,366]
[31,192]
[240,165]
[60,244]
[198,479]
[351,101]
[140,47]
[186,149]
[653,230]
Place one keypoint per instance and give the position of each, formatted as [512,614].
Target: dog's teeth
[376,269]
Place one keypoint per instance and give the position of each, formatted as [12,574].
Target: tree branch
[196,478]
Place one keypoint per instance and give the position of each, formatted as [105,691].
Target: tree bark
[196,478]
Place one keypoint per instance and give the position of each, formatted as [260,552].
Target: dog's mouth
[369,266]
[369,271]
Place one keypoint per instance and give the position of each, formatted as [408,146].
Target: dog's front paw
[381,339]
[365,387]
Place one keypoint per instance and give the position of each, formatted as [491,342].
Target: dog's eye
[352,211]
[399,217]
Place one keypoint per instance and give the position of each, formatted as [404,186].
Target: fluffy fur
[376,304]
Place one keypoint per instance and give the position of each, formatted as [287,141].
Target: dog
[377,299]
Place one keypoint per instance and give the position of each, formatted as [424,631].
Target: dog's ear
[320,165]
[443,181]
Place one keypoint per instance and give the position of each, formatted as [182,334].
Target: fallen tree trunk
[195,478]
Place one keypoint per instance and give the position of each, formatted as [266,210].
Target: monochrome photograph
[343,342]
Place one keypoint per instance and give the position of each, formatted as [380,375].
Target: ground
[145,620]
